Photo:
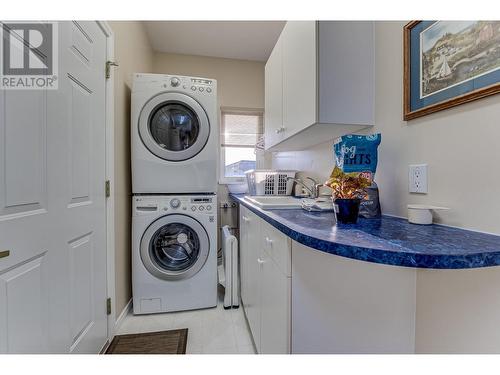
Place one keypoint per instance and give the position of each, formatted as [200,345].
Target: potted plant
[348,190]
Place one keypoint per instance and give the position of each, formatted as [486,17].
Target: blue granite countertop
[387,240]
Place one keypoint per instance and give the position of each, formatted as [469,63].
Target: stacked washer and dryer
[174,136]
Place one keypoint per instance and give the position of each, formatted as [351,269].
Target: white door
[52,205]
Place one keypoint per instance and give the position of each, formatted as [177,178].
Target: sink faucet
[313,191]
[315,187]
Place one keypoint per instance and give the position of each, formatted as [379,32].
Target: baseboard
[123,314]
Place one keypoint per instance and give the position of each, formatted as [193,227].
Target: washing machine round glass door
[174,126]
[174,247]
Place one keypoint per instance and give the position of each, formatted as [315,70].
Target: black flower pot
[348,209]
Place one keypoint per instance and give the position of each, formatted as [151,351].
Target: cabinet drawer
[278,247]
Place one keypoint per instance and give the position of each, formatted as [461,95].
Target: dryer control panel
[205,86]
[201,85]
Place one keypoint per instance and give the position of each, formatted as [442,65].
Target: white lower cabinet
[275,309]
[250,270]
[265,283]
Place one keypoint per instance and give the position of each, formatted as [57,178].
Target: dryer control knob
[175,81]
[175,203]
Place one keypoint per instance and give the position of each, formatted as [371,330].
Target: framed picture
[448,63]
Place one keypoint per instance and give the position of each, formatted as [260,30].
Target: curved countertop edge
[393,258]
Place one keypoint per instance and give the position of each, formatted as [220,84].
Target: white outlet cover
[417,178]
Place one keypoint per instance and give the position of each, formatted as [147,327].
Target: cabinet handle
[269,241]
[245,218]
[277,131]
[260,261]
[4,253]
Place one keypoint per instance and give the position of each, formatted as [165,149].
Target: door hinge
[109,64]
[107,189]
[108,306]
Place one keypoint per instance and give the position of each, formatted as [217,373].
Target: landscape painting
[456,51]
[448,63]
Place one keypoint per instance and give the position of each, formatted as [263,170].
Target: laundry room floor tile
[210,331]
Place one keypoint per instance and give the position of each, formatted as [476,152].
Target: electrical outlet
[417,178]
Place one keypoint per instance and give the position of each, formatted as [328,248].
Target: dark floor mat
[163,342]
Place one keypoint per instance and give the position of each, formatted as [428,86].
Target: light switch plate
[417,178]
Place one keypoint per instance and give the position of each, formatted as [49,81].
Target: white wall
[460,145]
[134,54]
[240,83]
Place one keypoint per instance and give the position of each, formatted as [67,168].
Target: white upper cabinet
[326,70]
[299,76]
[273,116]
[346,85]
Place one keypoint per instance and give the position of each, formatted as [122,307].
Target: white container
[238,188]
[270,182]
[422,214]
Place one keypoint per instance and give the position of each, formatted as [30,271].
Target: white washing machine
[174,253]
[174,134]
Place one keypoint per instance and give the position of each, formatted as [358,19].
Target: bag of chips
[358,153]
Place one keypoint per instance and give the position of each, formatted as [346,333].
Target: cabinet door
[275,319]
[274,96]
[250,271]
[278,246]
[346,56]
[299,76]
[243,255]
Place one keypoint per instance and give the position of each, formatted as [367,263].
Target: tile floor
[211,331]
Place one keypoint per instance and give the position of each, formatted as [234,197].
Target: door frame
[110,171]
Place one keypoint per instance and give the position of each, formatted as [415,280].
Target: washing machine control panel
[192,205]
[201,205]
[198,205]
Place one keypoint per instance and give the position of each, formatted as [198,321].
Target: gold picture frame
[410,113]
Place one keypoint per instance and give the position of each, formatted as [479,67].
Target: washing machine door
[174,126]
[174,247]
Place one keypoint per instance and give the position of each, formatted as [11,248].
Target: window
[240,131]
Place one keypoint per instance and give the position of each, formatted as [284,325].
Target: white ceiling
[245,40]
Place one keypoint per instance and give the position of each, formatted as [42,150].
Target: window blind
[241,129]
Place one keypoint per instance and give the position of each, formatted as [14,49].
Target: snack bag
[358,153]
